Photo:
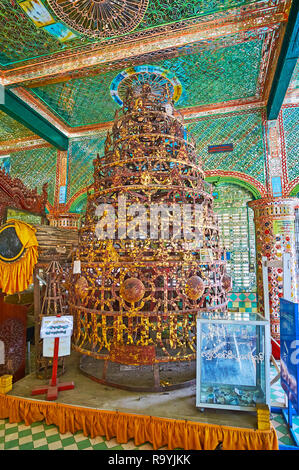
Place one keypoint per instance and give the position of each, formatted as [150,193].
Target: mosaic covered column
[275,235]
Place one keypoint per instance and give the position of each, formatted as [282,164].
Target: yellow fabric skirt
[160,432]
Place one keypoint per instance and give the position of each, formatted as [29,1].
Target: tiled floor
[47,437]
[41,436]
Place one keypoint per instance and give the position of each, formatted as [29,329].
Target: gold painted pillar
[274,220]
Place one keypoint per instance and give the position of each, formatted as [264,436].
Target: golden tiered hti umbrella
[143,280]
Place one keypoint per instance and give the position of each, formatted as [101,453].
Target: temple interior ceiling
[223,53]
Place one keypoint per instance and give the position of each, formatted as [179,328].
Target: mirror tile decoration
[207,76]
[33,26]
[237,234]
[11,129]
[290,137]
[35,167]
[244,130]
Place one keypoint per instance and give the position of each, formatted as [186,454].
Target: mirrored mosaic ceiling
[38,28]
[11,129]
[208,76]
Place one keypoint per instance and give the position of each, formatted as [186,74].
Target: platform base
[154,378]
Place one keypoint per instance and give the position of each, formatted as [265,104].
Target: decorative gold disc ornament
[132,290]
[100,18]
[81,287]
[195,287]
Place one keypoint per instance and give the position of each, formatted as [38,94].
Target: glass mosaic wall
[35,168]
[290,119]
[82,152]
[244,131]
[237,234]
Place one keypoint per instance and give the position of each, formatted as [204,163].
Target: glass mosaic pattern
[71,100]
[35,168]
[168,11]
[81,156]
[207,77]
[243,302]
[244,130]
[20,38]
[290,117]
[237,235]
[17,29]
[11,129]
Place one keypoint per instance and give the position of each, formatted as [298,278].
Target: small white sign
[168,109]
[2,94]
[56,327]
[77,267]
[2,353]
[64,348]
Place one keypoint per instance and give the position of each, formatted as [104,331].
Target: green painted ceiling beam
[286,63]
[23,113]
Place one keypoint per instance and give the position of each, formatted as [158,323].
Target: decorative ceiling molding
[196,112]
[27,143]
[95,55]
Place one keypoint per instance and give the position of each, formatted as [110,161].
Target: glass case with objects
[233,361]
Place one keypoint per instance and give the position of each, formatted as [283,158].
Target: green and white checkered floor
[41,436]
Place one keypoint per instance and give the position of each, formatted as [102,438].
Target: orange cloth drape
[159,432]
[16,276]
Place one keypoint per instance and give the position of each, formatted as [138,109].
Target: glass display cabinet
[233,361]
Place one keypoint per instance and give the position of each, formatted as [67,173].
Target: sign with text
[63,350]
[56,327]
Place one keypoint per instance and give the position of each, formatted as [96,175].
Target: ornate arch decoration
[15,195]
[294,187]
[77,198]
[251,184]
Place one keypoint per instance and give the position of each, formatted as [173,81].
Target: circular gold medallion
[100,18]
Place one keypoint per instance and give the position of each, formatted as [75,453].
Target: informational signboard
[56,332]
[283,227]
[56,327]
[289,351]
[63,350]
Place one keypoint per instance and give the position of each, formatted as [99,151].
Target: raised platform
[163,419]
